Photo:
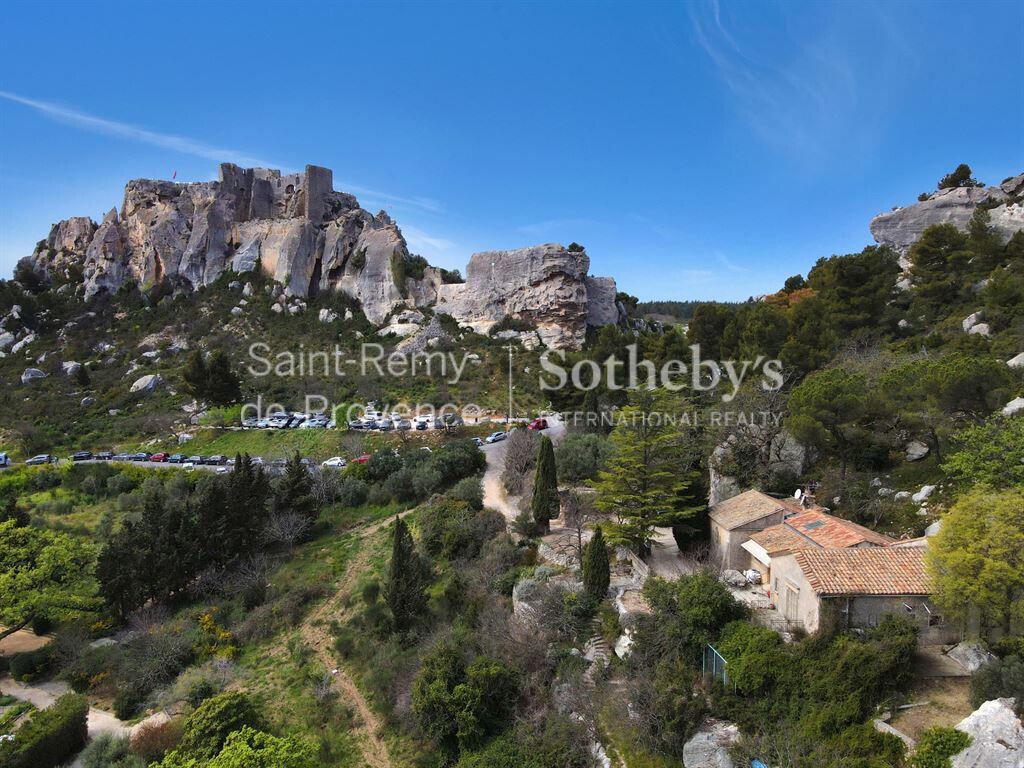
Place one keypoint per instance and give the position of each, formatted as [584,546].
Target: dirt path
[315,634]
[494,492]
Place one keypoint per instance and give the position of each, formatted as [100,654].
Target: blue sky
[698,150]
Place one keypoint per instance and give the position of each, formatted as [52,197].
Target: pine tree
[223,386]
[596,573]
[195,375]
[294,492]
[643,478]
[544,505]
[407,579]
[82,376]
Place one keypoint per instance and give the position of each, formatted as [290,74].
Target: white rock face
[997,738]
[901,228]
[924,493]
[1014,362]
[916,450]
[981,329]
[31,374]
[23,343]
[970,655]
[972,320]
[147,384]
[1013,407]
[709,747]
[70,368]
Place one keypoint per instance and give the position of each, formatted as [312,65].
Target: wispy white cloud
[554,227]
[726,262]
[107,127]
[420,241]
[196,148]
[802,94]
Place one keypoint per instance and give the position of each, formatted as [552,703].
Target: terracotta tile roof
[830,531]
[779,538]
[865,571]
[746,508]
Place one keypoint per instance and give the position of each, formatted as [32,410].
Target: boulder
[1014,362]
[236,311]
[1013,407]
[734,578]
[327,315]
[6,340]
[400,329]
[247,290]
[997,738]
[972,320]
[903,324]
[901,495]
[70,368]
[31,374]
[16,348]
[970,655]
[88,402]
[709,747]
[981,329]
[147,384]
[924,493]
[933,528]
[916,450]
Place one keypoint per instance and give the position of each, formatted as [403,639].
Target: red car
[538,424]
[361,459]
[158,457]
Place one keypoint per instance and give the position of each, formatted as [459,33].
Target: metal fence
[715,667]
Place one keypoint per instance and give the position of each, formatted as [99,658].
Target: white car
[496,437]
[335,462]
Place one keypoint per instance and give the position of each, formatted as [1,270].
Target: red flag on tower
[174,175]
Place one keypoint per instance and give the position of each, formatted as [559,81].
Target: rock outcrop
[997,737]
[902,227]
[310,238]
[544,285]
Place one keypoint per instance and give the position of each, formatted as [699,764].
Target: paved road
[494,493]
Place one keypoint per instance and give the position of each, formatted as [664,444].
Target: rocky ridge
[312,239]
[902,227]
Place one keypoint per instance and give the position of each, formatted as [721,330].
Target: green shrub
[51,737]
[109,751]
[937,745]
[999,679]
[352,492]
[580,457]
[29,665]
[214,720]
[469,490]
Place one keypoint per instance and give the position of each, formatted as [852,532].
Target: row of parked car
[371,420]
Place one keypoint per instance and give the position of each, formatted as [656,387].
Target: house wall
[866,611]
[728,544]
[787,579]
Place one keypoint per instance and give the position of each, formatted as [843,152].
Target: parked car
[403,424]
[217,460]
[5,460]
[361,459]
[263,424]
[335,462]
[195,460]
[421,425]
[42,458]
[159,457]
[177,458]
[356,424]
[139,456]
[478,442]
[104,456]
[385,424]
[496,437]
[81,455]
[122,457]
[538,424]
[250,422]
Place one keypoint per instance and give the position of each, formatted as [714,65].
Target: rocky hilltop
[902,227]
[297,229]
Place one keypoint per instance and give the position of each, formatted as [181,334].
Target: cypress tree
[295,491]
[544,505]
[406,579]
[596,572]
[222,386]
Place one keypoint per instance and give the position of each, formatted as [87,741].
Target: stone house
[856,587]
[734,520]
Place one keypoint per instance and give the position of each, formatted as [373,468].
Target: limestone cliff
[901,228]
[298,230]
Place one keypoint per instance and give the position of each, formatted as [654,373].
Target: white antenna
[508,419]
